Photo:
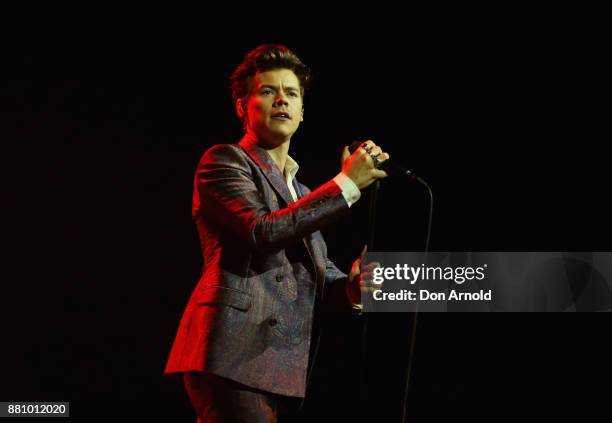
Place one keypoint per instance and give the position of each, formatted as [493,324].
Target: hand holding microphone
[362,166]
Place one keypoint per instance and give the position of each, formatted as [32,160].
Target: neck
[278,152]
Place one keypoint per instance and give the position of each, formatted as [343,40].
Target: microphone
[389,166]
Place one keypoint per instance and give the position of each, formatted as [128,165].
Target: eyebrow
[275,87]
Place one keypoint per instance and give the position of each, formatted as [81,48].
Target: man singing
[244,340]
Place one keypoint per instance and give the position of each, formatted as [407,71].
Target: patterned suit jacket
[250,316]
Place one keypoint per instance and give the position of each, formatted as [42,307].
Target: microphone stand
[364,333]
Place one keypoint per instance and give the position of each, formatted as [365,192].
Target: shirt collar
[291,167]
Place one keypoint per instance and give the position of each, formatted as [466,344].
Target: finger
[383,156]
[376,151]
[368,144]
[361,153]
[369,291]
[366,277]
[362,256]
[377,173]
[367,161]
[368,282]
[366,157]
[345,153]
[354,274]
[370,266]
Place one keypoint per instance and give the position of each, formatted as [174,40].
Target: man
[244,341]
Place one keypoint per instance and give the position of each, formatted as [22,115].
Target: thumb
[363,252]
[345,153]
[362,257]
[355,269]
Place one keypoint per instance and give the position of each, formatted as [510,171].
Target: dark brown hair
[264,58]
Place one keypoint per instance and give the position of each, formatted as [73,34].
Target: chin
[282,133]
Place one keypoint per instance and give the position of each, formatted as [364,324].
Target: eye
[293,94]
[266,91]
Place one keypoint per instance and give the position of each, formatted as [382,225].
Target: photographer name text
[426,295]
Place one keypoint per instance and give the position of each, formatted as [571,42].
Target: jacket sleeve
[332,273]
[336,298]
[228,193]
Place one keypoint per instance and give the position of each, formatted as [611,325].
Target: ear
[240,108]
[302,116]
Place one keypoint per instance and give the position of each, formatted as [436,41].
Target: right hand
[360,166]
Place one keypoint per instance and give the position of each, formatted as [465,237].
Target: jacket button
[279,278]
[272,322]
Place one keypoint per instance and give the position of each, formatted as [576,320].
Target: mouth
[281,116]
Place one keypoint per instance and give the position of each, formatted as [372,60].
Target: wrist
[350,191]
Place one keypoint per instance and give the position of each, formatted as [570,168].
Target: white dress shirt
[350,192]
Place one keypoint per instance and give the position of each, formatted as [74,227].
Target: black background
[102,136]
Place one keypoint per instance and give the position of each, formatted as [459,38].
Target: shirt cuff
[350,192]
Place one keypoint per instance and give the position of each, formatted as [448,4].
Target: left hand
[361,279]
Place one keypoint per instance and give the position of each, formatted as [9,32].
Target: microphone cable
[416,311]
[371,236]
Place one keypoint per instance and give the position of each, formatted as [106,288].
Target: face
[274,108]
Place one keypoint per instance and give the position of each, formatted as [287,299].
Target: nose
[281,99]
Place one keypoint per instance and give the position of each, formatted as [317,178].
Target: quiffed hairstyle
[264,58]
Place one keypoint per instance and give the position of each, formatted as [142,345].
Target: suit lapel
[278,182]
[269,169]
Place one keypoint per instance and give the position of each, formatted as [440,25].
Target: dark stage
[102,140]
